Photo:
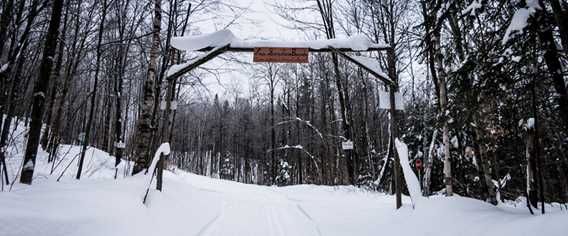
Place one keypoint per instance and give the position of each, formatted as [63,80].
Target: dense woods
[483,84]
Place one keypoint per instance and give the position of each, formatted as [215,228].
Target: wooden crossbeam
[384,79]
[251,49]
[212,54]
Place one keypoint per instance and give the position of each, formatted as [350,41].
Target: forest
[481,98]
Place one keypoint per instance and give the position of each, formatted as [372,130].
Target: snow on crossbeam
[178,70]
[207,42]
[369,64]
[372,64]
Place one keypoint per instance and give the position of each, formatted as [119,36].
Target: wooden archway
[389,80]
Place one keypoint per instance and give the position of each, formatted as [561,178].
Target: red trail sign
[283,55]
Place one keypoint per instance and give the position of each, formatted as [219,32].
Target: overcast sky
[258,22]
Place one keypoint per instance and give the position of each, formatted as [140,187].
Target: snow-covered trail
[197,205]
[244,210]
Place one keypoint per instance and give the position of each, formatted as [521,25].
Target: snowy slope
[97,163]
[197,205]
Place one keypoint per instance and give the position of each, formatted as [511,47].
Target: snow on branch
[472,8]
[297,147]
[3,67]
[382,172]
[520,20]
[306,123]
[384,167]
[342,138]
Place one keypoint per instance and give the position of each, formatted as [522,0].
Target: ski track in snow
[212,221]
[200,206]
[302,211]
[279,219]
[305,214]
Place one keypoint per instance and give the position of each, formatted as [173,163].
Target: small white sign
[164,105]
[384,100]
[347,145]
[119,145]
[174,105]
[81,137]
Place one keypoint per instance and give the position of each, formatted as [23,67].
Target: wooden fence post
[160,172]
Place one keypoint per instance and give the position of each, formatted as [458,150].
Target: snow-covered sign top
[224,37]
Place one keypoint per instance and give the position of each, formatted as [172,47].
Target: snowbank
[410,178]
[98,164]
[197,205]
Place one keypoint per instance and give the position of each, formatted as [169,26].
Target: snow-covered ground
[197,205]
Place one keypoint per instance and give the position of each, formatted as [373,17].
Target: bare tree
[40,90]
[144,123]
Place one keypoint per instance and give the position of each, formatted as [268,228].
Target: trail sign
[284,55]
[418,164]
[81,138]
[347,145]
[384,100]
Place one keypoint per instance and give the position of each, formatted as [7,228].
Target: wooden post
[393,153]
[393,125]
[160,172]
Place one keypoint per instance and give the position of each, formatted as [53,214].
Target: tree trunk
[94,93]
[40,89]
[272,131]
[480,155]
[561,18]
[119,143]
[552,60]
[145,124]
[5,22]
[531,167]
[428,165]
[55,87]
[443,113]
